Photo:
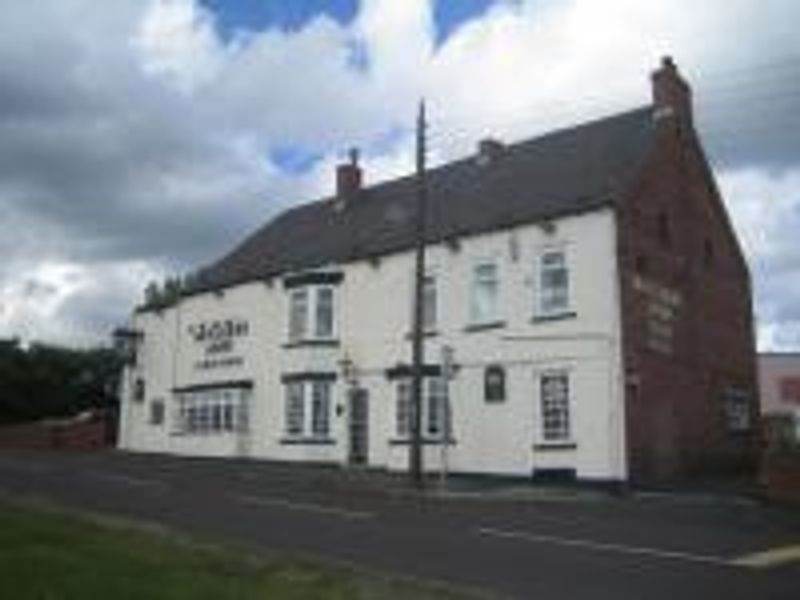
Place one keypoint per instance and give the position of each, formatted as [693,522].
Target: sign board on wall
[662,306]
[218,340]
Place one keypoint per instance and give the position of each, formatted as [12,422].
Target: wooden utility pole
[418,349]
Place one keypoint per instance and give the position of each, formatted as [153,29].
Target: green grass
[49,555]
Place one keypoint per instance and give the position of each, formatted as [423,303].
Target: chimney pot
[348,177]
[672,96]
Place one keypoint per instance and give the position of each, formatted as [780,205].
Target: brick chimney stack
[672,96]
[348,177]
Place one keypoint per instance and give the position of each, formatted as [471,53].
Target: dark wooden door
[359,426]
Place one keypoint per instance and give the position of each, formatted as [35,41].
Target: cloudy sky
[143,138]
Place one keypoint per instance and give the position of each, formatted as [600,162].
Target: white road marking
[607,547]
[304,506]
[774,557]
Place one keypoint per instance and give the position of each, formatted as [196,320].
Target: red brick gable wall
[686,316]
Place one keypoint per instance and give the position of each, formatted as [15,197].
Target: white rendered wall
[373,314]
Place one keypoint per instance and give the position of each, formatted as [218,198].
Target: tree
[49,381]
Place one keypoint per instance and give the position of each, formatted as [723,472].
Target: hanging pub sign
[218,339]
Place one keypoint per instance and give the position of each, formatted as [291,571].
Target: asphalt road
[540,546]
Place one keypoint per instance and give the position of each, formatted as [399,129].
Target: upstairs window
[708,254]
[664,230]
[554,288]
[429,308]
[298,314]
[485,293]
[324,313]
[311,313]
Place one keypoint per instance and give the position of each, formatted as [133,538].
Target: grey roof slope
[563,172]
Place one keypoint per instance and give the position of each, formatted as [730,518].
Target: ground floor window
[308,408]
[435,408]
[736,405]
[555,411]
[212,411]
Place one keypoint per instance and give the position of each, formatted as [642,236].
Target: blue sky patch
[292,158]
[449,15]
[286,15]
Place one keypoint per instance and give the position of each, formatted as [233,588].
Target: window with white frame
[436,405]
[311,313]
[295,408]
[323,328]
[736,404]
[429,308]
[320,408]
[555,410]
[157,412]
[298,314]
[308,408]
[484,302]
[553,288]
[403,409]
[434,408]
[211,411]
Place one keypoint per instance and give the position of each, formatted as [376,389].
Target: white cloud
[136,143]
[176,38]
[765,209]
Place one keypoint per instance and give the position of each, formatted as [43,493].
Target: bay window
[211,411]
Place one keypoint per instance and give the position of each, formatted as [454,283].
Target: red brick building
[688,333]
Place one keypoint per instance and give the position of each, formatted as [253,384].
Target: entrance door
[359,421]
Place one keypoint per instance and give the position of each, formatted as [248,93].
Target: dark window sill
[312,344]
[556,446]
[307,441]
[554,317]
[484,326]
[425,442]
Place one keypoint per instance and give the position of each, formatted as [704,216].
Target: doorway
[358,412]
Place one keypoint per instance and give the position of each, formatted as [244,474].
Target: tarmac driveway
[524,543]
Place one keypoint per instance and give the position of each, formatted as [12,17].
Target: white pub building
[296,346]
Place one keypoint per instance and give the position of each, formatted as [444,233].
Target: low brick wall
[78,435]
[780,476]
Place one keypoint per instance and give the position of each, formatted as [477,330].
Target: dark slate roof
[564,172]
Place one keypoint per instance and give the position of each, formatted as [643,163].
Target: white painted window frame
[474,284]
[540,310]
[309,417]
[435,391]
[541,431]
[309,329]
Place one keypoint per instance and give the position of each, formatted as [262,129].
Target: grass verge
[46,554]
